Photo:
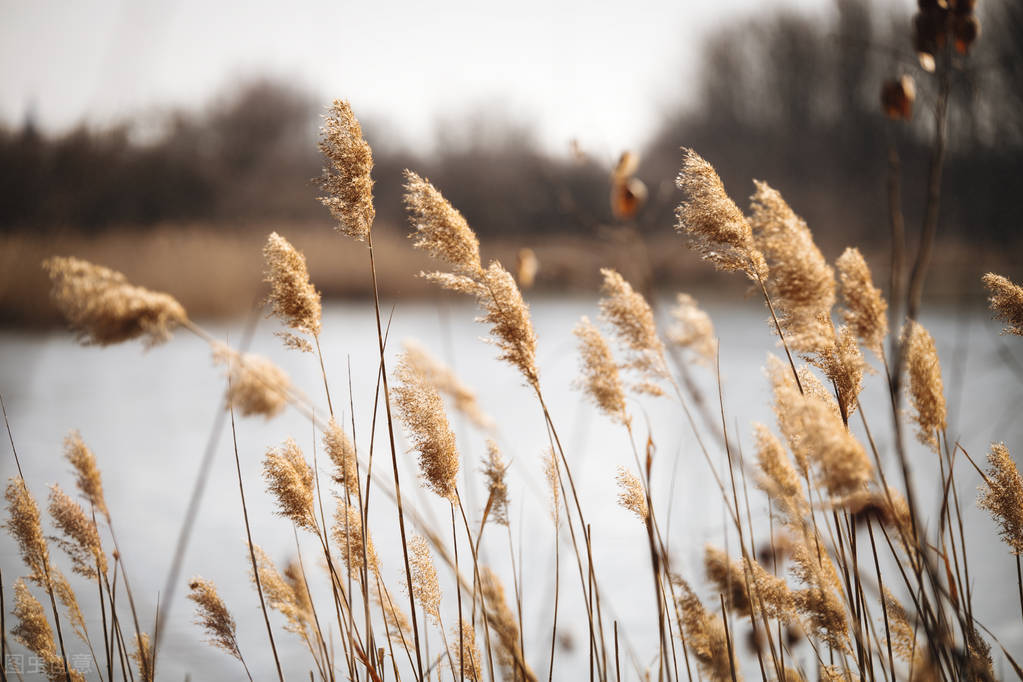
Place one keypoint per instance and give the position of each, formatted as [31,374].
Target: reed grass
[853,579]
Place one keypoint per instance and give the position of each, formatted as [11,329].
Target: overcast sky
[600,71]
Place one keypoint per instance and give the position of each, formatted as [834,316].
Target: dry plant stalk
[926,390]
[347,181]
[422,411]
[802,284]
[600,379]
[692,330]
[292,298]
[494,468]
[444,380]
[290,480]
[212,615]
[255,385]
[715,225]
[1006,301]
[104,309]
[1002,495]
[865,308]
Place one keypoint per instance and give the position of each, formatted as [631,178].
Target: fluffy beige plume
[550,471]
[87,476]
[600,380]
[103,308]
[256,385]
[348,534]
[1006,301]
[443,233]
[468,659]
[293,298]
[842,362]
[290,479]
[289,598]
[445,381]
[342,453]
[33,631]
[422,411]
[81,536]
[143,657]
[889,509]
[772,592]
[865,308]
[24,526]
[820,601]
[779,478]
[425,586]
[817,437]
[211,613]
[630,316]
[926,390]
[440,229]
[347,180]
[503,623]
[66,596]
[728,578]
[1002,495]
[705,635]
[494,468]
[399,629]
[903,635]
[692,329]
[631,495]
[802,284]
[716,226]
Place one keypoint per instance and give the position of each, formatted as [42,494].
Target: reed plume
[842,362]
[600,380]
[425,586]
[550,470]
[1006,301]
[926,390]
[802,284]
[865,308]
[503,624]
[631,495]
[422,411]
[902,631]
[715,225]
[728,578]
[440,229]
[468,659]
[87,476]
[772,593]
[81,541]
[255,385]
[494,468]
[292,298]
[103,308]
[692,330]
[33,631]
[820,601]
[1002,496]
[779,479]
[24,526]
[143,657]
[348,533]
[62,590]
[342,453]
[286,596]
[630,316]
[290,480]
[212,615]
[444,380]
[889,508]
[347,181]
[399,629]
[705,636]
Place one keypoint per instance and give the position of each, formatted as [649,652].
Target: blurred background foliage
[783,97]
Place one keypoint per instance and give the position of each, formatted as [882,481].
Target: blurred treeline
[785,97]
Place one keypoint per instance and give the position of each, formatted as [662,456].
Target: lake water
[148,415]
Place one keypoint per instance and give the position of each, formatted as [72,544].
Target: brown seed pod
[897,97]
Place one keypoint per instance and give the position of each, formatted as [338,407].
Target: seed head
[692,329]
[706,637]
[630,316]
[255,385]
[87,476]
[716,226]
[342,453]
[468,659]
[926,390]
[33,631]
[494,468]
[425,586]
[865,307]
[631,494]
[292,298]
[212,615]
[1002,495]
[24,526]
[103,308]
[444,380]
[728,578]
[290,479]
[81,537]
[347,181]
[1006,302]
[348,533]
[284,596]
[440,229]
[600,380]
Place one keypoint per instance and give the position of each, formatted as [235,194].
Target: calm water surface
[148,416]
